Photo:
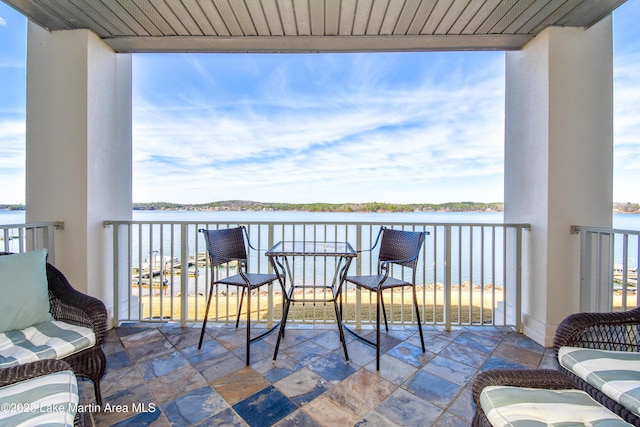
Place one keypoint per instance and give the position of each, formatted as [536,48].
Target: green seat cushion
[47,340]
[48,400]
[24,292]
[529,407]
[615,373]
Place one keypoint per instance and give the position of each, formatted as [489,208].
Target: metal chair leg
[283,324]
[378,332]
[285,314]
[240,307]
[415,303]
[384,311]
[248,324]
[340,331]
[206,315]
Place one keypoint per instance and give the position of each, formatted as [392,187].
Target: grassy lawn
[466,309]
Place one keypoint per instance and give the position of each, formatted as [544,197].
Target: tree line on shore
[243,205]
[626,207]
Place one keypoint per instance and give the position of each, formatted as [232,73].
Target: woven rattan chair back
[225,245]
[401,245]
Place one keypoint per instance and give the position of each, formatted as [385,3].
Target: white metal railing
[18,238]
[467,273]
[609,261]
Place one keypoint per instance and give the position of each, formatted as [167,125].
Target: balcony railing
[468,274]
[609,261]
[35,235]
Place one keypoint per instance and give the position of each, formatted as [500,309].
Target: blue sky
[320,127]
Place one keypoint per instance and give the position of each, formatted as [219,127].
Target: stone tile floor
[157,376]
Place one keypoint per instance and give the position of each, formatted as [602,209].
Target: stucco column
[558,161]
[78,149]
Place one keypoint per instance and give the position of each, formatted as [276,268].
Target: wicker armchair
[604,331]
[532,378]
[16,374]
[73,307]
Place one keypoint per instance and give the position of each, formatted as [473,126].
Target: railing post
[518,280]
[23,233]
[447,278]
[599,283]
[625,266]
[586,292]
[270,296]
[637,270]
[184,274]
[609,271]
[6,238]
[116,292]
[49,243]
[358,248]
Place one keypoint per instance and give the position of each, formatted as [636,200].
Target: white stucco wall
[558,160]
[79,161]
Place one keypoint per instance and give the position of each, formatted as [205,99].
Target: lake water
[620,221]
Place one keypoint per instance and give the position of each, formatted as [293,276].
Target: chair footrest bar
[268,331]
[360,337]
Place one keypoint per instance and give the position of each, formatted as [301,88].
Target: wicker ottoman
[40,393]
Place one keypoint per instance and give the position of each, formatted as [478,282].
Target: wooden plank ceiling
[313,25]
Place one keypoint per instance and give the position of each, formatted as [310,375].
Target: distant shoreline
[244,205]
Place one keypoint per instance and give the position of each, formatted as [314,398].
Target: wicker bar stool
[228,246]
[399,248]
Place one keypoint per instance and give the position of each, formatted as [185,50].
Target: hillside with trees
[626,208]
[244,205]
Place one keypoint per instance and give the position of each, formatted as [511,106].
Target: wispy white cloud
[12,140]
[626,172]
[338,142]
[11,62]
[325,127]
[12,160]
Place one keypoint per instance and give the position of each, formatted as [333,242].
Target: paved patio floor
[157,376]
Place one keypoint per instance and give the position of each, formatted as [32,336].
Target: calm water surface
[622,221]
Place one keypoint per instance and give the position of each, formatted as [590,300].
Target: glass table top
[311,248]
